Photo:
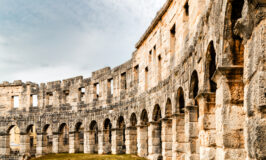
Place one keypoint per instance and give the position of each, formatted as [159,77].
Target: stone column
[101,142]
[131,140]
[24,144]
[104,144]
[40,148]
[55,148]
[229,113]
[167,139]
[191,131]
[154,141]
[142,140]
[4,144]
[114,145]
[117,141]
[72,142]
[206,125]
[178,131]
[86,142]
[92,146]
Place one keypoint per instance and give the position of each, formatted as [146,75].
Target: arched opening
[107,136]
[166,134]
[30,141]
[131,136]
[93,137]
[180,100]
[194,88]
[168,109]
[142,134]
[121,135]
[156,131]
[237,46]
[63,139]
[13,140]
[180,124]
[79,138]
[193,112]
[47,139]
[211,64]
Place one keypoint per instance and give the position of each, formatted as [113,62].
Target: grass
[88,157]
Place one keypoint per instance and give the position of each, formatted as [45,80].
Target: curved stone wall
[193,89]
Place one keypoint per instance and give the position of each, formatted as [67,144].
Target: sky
[48,40]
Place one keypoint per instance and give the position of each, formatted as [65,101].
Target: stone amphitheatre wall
[193,89]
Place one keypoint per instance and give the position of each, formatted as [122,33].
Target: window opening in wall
[15,101]
[96,87]
[150,56]
[154,49]
[111,86]
[34,100]
[136,73]
[159,67]
[82,91]
[124,80]
[146,77]
[66,95]
[49,98]
[173,39]
[186,7]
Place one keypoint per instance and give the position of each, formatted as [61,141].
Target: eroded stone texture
[193,89]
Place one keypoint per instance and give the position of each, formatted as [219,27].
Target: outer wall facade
[193,89]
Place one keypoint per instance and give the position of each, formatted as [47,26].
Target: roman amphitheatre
[193,89]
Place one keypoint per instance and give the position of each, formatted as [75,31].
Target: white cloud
[56,39]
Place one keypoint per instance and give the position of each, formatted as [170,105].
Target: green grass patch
[88,157]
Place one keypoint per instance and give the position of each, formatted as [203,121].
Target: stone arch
[107,136]
[211,67]
[180,100]
[233,14]
[179,134]
[193,112]
[194,85]
[29,141]
[93,137]
[78,137]
[13,139]
[133,120]
[168,108]
[120,136]
[47,139]
[142,136]
[166,132]
[155,130]
[63,139]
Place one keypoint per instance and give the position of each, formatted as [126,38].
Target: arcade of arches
[193,89]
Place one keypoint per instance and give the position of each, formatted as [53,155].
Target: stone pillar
[55,148]
[142,140]
[229,113]
[206,125]
[92,145]
[72,142]
[154,141]
[167,139]
[101,143]
[104,144]
[131,140]
[40,148]
[178,131]
[4,144]
[86,142]
[24,144]
[117,141]
[191,131]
